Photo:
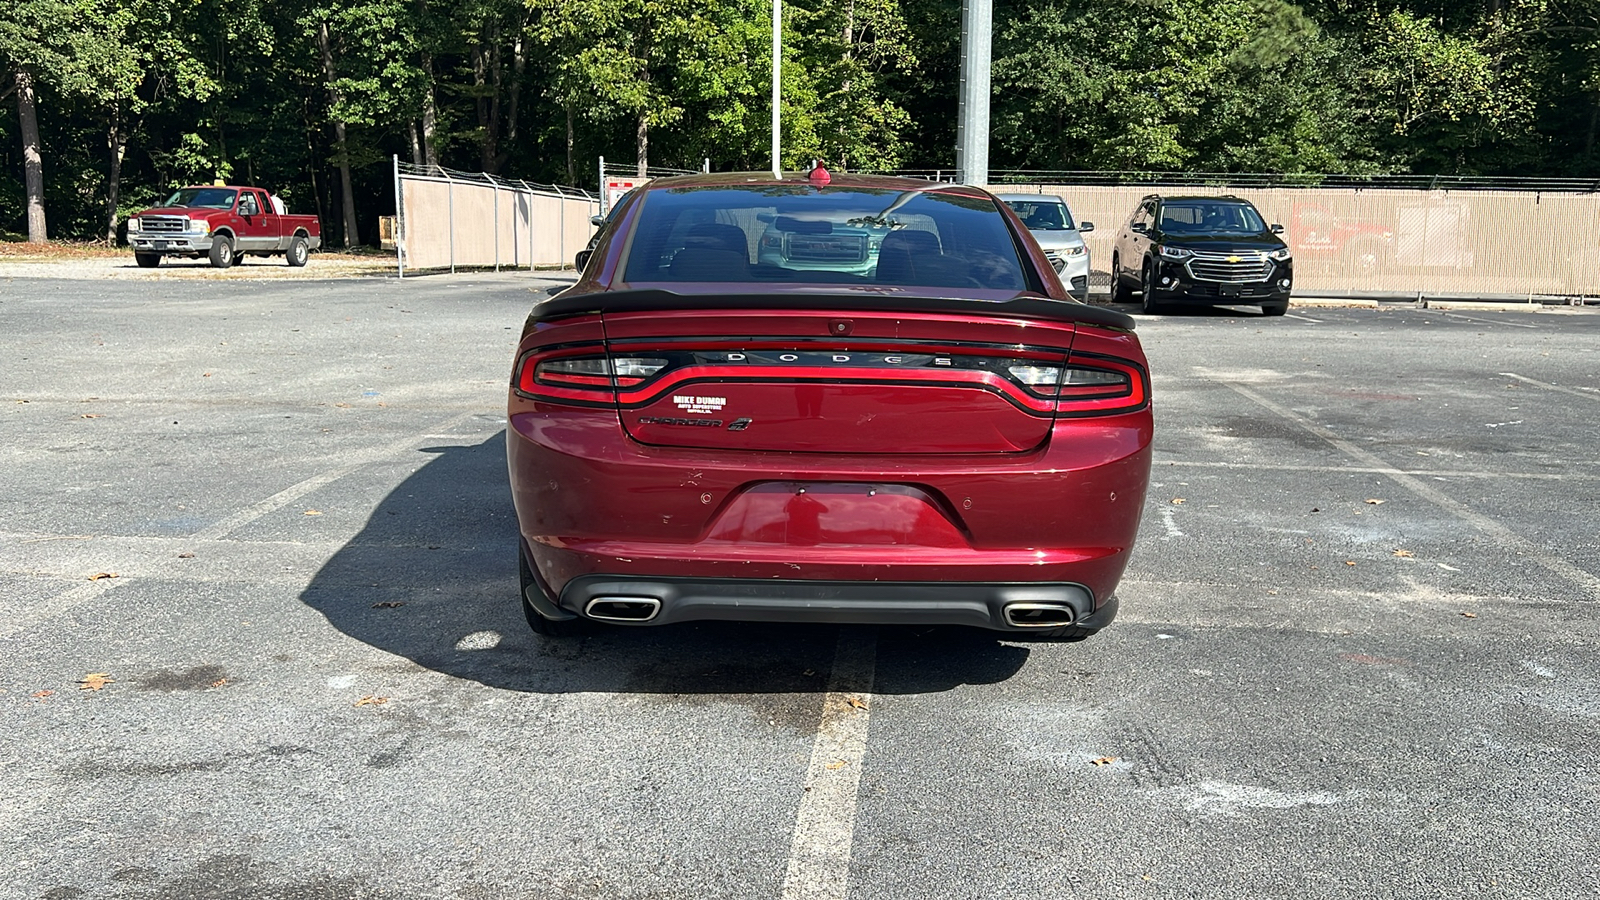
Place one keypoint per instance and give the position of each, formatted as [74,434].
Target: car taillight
[1099,387]
[582,378]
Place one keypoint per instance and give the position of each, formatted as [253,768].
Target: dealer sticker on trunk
[693,404]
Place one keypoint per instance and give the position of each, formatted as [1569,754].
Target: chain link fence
[447,220]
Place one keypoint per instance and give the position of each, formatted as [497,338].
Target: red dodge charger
[825,399]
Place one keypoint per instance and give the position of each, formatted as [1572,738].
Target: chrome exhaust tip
[1039,615]
[622,609]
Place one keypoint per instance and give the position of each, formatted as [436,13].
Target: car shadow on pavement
[432,578]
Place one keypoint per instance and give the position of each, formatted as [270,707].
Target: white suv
[1051,224]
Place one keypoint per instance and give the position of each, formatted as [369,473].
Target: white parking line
[819,857]
[1303,318]
[66,601]
[1587,395]
[1391,470]
[1488,321]
[1507,538]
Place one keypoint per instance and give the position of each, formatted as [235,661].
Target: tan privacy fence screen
[1350,241]
[450,220]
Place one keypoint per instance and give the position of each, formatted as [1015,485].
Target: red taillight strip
[1135,396]
[992,382]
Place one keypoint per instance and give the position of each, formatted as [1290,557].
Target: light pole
[777,71]
[972,116]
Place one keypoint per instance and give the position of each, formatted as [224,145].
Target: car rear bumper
[1019,607]
[593,503]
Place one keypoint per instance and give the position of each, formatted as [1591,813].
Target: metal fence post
[496,187]
[399,222]
[450,191]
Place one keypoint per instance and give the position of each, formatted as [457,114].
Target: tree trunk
[572,172]
[642,132]
[519,63]
[430,112]
[430,117]
[416,145]
[117,141]
[347,194]
[642,136]
[32,161]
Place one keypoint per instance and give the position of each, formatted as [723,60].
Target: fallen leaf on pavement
[1349,562]
[94,681]
[313,512]
[99,575]
[835,765]
[1375,502]
[1177,501]
[43,694]
[186,555]
[1404,553]
[372,700]
[809,672]
[1469,615]
[90,416]
[857,702]
[1103,761]
[388,604]
[219,682]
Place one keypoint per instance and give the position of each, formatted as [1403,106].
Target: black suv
[1201,250]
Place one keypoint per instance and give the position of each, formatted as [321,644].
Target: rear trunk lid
[835,380]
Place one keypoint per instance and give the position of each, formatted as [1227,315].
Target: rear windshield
[1047,214]
[838,235]
[208,198]
[1210,217]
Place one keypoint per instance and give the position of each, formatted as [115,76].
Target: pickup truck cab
[222,224]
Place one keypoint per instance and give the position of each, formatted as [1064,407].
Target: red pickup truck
[222,224]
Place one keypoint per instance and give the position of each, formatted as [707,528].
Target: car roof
[1166,197]
[836,180]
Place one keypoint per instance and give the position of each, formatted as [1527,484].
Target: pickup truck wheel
[222,253]
[147,260]
[298,251]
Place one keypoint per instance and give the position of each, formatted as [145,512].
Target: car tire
[1147,281]
[147,260]
[1118,294]
[536,620]
[1275,309]
[299,251]
[221,254]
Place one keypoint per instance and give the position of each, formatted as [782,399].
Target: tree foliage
[134,97]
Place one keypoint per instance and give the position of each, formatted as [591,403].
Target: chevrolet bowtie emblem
[1233,259]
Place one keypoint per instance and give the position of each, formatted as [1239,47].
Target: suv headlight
[201,225]
[1279,255]
[1175,252]
[1077,250]
[133,224]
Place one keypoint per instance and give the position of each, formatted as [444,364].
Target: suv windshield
[841,235]
[209,198]
[1043,215]
[1210,217]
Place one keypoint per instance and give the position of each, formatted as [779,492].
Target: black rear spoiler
[1028,306]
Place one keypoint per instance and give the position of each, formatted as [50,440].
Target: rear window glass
[795,233]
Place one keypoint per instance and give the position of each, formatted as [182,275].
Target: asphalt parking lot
[1356,658]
